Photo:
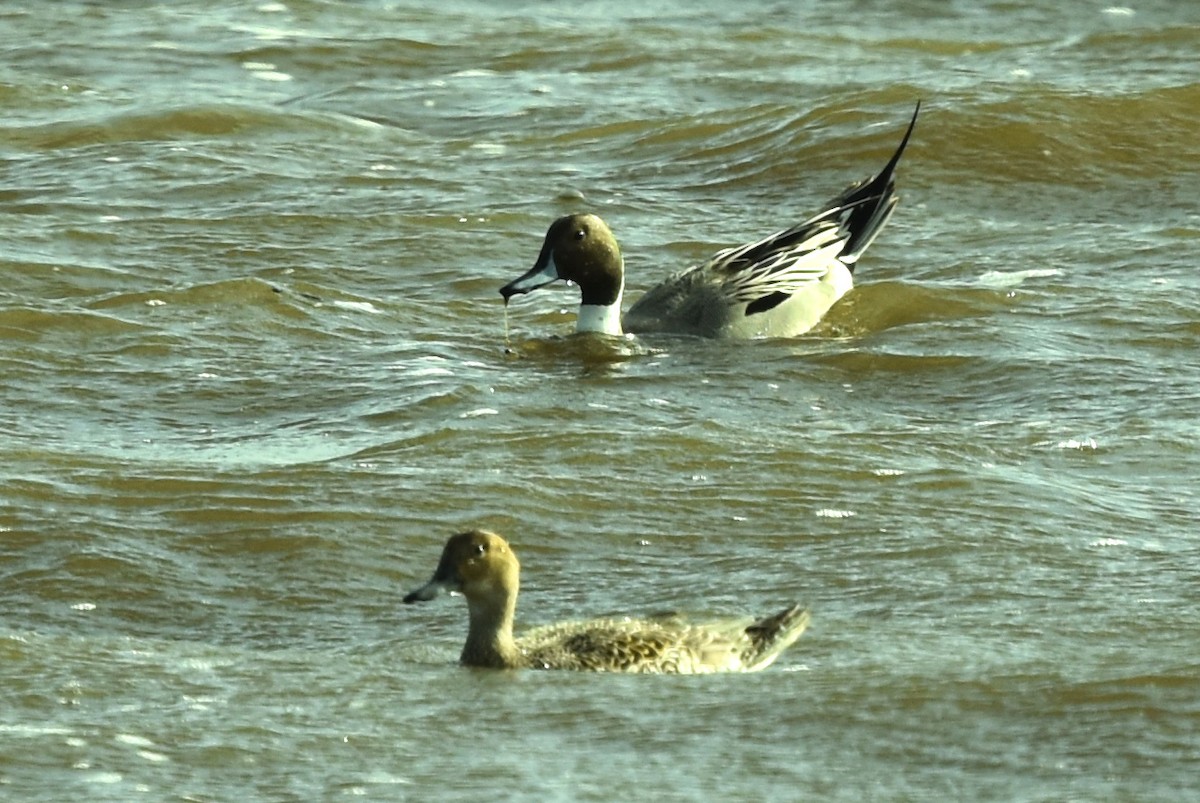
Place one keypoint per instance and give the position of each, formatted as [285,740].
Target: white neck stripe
[601,319]
[604,319]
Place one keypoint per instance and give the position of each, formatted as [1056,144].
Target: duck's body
[706,300]
[482,567]
[780,286]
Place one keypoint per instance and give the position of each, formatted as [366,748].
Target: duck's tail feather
[771,636]
[864,207]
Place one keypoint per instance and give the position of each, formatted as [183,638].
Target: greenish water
[255,370]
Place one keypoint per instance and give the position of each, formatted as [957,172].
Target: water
[255,371]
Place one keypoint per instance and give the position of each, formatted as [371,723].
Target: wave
[180,123]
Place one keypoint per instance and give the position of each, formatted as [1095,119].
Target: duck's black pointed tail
[865,206]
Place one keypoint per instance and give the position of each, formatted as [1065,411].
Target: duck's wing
[735,283]
[795,274]
[766,273]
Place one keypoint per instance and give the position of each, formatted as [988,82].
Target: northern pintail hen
[482,567]
[779,286]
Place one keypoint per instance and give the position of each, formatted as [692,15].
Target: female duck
[780,286]
[481,566]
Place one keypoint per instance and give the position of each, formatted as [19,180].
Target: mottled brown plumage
[482,567]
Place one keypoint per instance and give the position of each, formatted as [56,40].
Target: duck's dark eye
[580,234]
[480,549]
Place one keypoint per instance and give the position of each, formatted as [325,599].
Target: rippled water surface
[256,369]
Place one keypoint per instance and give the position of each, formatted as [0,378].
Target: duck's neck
[604,319]
[599,306]
[490,634]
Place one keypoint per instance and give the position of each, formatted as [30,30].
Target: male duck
[482,567]
[780,286]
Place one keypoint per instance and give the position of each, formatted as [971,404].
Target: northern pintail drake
[481,566]
[779,286]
